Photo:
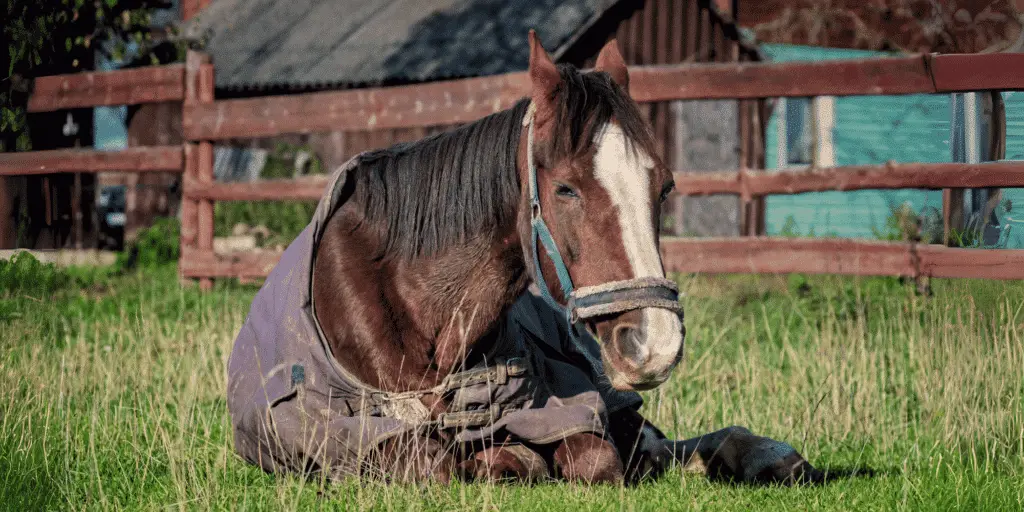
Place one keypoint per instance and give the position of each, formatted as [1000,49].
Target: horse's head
[590,215]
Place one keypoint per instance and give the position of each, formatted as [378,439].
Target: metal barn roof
[322,43]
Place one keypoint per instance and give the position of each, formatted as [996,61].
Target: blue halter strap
[541,233]
[603,299]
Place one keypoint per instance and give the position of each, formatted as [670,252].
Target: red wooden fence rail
[854,177]
[762,255]
[105,88]
[151,159]
[458,101]
[205,120]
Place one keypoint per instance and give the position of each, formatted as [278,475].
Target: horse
[398,336]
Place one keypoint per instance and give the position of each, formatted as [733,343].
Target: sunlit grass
[112,397]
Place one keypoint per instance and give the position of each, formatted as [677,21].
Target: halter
[591,301]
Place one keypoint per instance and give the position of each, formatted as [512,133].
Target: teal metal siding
[874,130]
[1014,197]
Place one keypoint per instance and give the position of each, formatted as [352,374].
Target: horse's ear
[610,61]
[543,73]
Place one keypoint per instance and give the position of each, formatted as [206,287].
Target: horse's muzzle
[638,358]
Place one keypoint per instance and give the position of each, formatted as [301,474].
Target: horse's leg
[412,459]
[587,458]
[641,446]
[735,453]
[504,462]
[731,453]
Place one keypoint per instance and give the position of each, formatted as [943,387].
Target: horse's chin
[622,384]
[633,379]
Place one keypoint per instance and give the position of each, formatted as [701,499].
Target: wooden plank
[306,189]
[704,31]
[459,101]
[144,159]
[421,105]
[197,216]
[763,255]
[691,32]
[858,177]
[664,34]
[939,261]
[734,255]
[758,203]
[976,72]
[189,207]
[647,32]
[205,264]
[898,75]
[202,77]
[98,88]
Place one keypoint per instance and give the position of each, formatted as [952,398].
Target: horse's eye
[665,192]
[565,190]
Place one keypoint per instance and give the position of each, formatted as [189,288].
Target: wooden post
[757,161]
[750,205]
[961,150]
[197,215]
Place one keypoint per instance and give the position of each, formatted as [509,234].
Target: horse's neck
[405,325]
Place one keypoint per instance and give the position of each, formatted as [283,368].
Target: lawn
[112,397]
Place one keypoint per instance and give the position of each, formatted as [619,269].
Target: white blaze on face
[625,176]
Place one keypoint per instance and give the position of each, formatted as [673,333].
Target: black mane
[441,191]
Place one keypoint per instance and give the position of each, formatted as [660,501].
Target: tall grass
[112,397]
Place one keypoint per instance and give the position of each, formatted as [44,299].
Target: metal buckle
[471,418]
[516,366]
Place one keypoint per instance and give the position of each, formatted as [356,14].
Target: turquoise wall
[874,130]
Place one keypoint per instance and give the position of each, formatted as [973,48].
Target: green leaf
[24,143]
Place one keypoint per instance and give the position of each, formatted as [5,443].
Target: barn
[268,47]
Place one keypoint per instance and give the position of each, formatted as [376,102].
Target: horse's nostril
[627,342]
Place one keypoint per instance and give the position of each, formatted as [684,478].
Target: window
[799,132]
[805,132]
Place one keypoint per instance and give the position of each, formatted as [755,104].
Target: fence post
[197,215]
[750,157]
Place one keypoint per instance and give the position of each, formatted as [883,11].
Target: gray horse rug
[294,408]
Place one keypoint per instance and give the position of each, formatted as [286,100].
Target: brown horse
[413,278]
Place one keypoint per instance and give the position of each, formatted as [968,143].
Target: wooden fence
[206,120]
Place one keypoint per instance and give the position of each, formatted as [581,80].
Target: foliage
[25,276]
[904,224]
[23,273]
[157,245]
[284,220]
[281,162]
[61,36]
[789,230]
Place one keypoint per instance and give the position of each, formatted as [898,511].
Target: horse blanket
[295,408]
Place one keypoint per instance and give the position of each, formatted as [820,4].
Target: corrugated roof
[310,43]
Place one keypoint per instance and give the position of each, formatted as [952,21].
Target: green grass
[112,397]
